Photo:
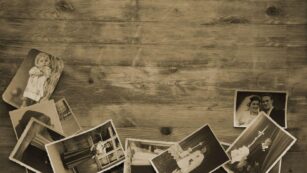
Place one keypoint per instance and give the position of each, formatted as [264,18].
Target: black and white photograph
[200,152]
[69,121]
[249,104]
[45,112]
[94,150]
[275,169]
[139,152]
[30,149]
[35,79]
[259,147]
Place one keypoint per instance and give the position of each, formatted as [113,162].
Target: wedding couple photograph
[250,104]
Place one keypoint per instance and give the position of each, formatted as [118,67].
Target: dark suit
[278,116]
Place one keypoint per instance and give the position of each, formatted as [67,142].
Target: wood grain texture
[153,65]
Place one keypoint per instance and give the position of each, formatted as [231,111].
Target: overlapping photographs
[69,121]
[275,169]
[139,153]
[193,154]
[45,112]
[259,147]
[249,104]
[30,149]
[95,150]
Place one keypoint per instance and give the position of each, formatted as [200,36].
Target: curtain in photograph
[280,142]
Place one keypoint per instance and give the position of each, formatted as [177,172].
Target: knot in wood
[62,5]
[273,11]
[166,130]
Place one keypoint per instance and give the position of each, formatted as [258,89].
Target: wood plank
[206,12]
[162,84]
[162,55]
[224,12]
[106,10]
[153,33]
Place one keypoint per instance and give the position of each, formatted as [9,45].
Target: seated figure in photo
[248,110]
[71,159]
[190,159]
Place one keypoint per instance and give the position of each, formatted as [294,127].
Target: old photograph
[68,119]
[200,152]
[35,79]
[259,147]
[275,169]
[94,150]
[249,104]
[30,149]
[45,112]
[139,152]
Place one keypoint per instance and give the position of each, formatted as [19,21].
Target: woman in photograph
[248,110]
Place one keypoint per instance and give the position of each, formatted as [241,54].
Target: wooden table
[161,68]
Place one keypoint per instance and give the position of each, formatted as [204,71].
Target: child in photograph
[39,74]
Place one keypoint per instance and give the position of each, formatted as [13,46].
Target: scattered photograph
[139,153]
[69,121]
[45,112]
[249,104]
[35,80]
[259,147]
[95,150]
[275,169]
[199,152]
[30,149]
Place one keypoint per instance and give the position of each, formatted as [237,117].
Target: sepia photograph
[30,149]
[275,169]
[45,112]
[68,119]
[139,152]
[249,104]
[35,79]
[200,152]
[95,150]
[259,147]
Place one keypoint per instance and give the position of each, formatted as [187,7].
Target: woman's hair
[254,98]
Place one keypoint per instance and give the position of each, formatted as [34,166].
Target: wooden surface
[161,68]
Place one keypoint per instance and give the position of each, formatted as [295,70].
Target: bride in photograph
[248,110]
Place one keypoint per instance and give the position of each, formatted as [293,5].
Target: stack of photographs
[50,138]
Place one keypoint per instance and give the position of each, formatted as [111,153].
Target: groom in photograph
[278,115]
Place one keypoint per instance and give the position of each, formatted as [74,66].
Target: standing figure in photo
[248,110]
[39,74]
[190,159]
[278,115]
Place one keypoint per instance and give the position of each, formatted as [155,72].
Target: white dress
[36,83]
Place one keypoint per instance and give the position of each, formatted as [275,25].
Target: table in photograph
[160,68]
